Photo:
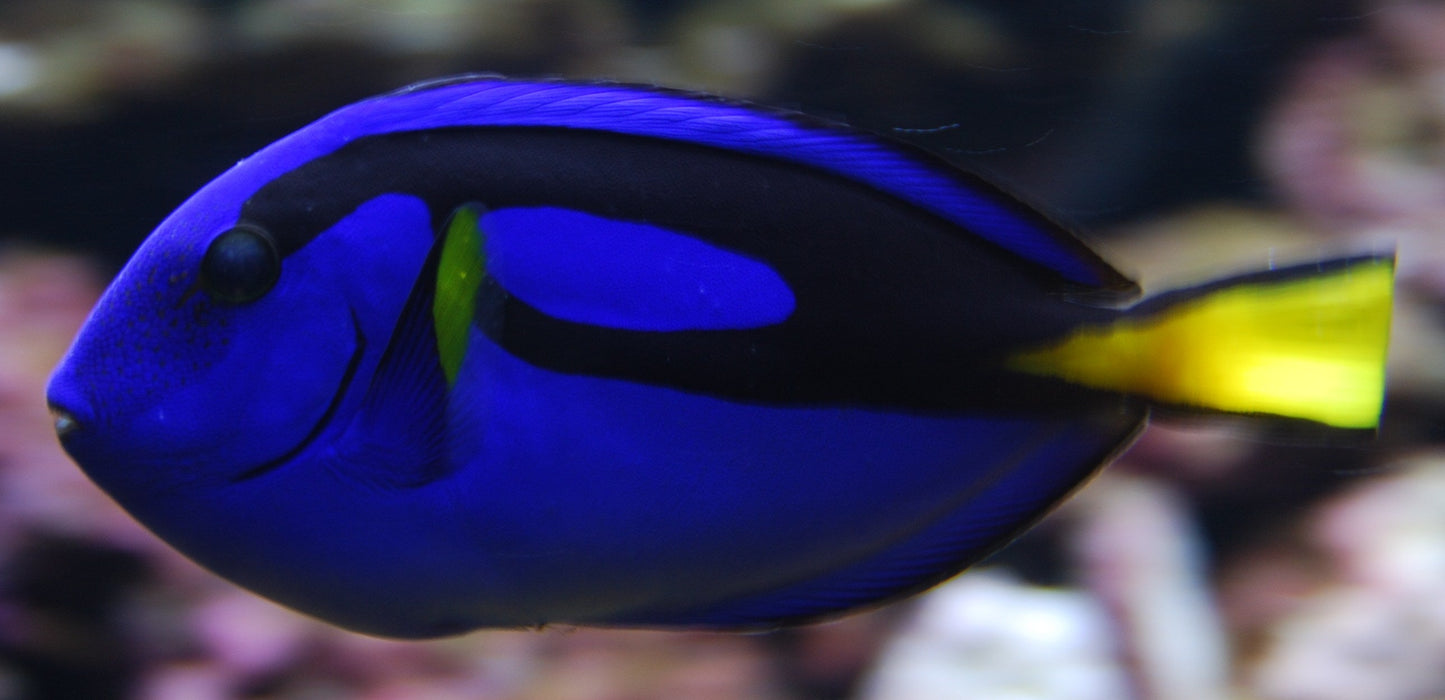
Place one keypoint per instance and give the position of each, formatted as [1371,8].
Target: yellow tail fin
[1307,342]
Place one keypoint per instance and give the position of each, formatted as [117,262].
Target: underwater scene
[750,324]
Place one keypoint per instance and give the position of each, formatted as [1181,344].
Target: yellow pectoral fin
[460,272]
[1293,344]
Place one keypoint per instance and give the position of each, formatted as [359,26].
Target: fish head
[225,350]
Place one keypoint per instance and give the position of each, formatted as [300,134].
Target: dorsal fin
[977,207]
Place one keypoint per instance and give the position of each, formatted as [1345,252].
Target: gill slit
[341,390]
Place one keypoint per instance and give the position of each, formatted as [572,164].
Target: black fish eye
[241,265]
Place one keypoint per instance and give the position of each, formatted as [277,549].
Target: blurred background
[1185,138]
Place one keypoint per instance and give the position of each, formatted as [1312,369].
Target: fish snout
[69,411]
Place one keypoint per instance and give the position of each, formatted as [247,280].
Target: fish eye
[241,265]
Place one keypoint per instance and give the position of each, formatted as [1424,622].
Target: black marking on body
[895,306]
[1114,287]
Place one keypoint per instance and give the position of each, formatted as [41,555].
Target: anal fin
[1063,456]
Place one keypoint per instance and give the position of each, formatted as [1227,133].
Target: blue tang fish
[488,353]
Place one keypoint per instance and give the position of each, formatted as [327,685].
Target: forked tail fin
[1304,342]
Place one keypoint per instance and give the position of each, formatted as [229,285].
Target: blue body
[682,402]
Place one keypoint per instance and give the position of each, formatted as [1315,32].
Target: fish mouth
[65,421]
[342,389]
[71,412]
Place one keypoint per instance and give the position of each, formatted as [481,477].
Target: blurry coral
[574,36]
[67,558]
[68,57]
[1137,547]
[987,635]
[1371,623]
